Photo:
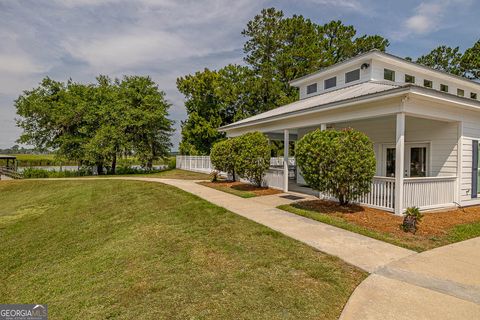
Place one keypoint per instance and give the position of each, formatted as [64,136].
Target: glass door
[416,160]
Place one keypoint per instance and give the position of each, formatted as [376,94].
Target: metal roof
[342,94]
[378,53]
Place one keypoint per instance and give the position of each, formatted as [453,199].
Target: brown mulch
[433,223]
[240,186]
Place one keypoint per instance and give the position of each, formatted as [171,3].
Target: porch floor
[293,186]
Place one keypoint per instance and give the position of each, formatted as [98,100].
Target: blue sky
[165,39]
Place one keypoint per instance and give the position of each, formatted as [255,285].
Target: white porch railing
[274,178]
[278,161]
[429,192]
[425,193]
[381,195]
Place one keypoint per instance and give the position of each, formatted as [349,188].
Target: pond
[75,168]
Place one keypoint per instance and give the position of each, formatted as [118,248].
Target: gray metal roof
[342,94]
[377,52]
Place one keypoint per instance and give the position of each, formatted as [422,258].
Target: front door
[416,160]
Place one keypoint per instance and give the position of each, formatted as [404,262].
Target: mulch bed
[240,186]
[433,223]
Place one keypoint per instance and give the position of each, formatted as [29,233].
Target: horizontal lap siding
[471,131]
[442,137]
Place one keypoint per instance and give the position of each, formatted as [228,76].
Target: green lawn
[97,249]
[419,242]
[176,174]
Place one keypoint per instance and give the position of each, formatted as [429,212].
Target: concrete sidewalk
[443,283]
[364,252]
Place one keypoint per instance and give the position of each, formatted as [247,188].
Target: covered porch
[425,175]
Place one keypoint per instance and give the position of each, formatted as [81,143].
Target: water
[75,168]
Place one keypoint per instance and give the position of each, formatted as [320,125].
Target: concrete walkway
[441,284]
[364,252]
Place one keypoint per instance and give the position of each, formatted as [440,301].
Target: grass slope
[126,249]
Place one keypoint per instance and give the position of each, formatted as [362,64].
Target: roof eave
[329,106]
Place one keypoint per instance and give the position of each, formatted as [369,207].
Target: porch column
[399,162]
[286,141]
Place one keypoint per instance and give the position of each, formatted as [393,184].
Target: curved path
[440,284]
[443,283]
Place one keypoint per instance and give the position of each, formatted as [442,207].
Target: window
[388,74]
[330,83]
[312,88]
[460,93]
[444,88]
[409,78]
[473,95]
[390,165]
[475,171]
[418,162]
[352,76]
[427,83]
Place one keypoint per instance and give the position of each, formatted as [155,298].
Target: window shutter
[474,168]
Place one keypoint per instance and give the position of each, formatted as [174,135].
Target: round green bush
[253,156]
[339,163]
[223,156]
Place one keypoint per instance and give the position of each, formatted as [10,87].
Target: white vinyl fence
[273,177]
[195,163]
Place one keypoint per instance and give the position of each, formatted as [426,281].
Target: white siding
[340,74]
[379,66]
[471,131]
[441,136]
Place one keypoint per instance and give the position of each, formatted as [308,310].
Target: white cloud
[162,32]
[428,17]
[348,4]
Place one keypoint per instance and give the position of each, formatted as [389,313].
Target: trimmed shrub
[36,173]
[339,163]
[253,156]
[223,156]
[172,162]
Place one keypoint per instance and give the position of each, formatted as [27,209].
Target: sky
[166,39]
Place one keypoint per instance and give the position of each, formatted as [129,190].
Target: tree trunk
[114,163]
[99,168]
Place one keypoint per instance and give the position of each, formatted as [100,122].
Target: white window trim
[408,145]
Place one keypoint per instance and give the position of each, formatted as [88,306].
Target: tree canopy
[277,50]
[95,123]
[451,60]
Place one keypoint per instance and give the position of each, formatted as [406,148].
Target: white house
[427,119]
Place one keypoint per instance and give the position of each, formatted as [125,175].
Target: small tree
[253,156]
[223,155]
[340,163]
